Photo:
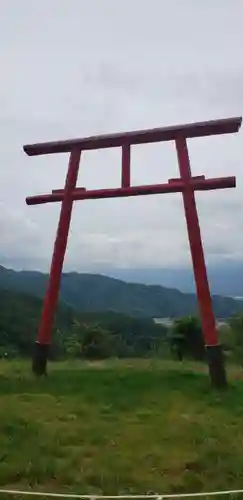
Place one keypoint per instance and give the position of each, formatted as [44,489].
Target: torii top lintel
[199,129]
[178,133]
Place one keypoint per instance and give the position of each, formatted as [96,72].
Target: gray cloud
[88,67]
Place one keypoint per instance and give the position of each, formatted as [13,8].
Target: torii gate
[185,184]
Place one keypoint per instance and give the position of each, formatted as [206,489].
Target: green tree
[96,343]
[186,338]
[236,326]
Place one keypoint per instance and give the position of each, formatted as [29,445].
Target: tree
[96,343]
[236,326]
[186,338]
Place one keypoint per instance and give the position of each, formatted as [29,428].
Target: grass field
[119,427]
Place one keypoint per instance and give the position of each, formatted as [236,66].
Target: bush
[186,338]
[96,343]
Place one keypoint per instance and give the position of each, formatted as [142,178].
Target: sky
[73,68]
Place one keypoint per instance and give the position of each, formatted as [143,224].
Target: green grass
[119,427]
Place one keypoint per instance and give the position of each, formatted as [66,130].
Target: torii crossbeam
[185,184]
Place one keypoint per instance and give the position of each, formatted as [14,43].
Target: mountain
[97,293]
[225,278]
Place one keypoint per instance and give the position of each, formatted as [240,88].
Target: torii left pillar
[60,245]
[186,184]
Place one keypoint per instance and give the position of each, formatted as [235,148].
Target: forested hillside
[74,334]
[96,293]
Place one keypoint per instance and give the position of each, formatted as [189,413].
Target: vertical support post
[51,297]
[126,159]
[214,351]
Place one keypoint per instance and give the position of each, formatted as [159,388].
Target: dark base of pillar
[40,357]
[216,366]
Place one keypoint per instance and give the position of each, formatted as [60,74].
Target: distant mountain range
[97,293]
[225,278]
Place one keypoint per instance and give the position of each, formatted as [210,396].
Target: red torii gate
[186,184]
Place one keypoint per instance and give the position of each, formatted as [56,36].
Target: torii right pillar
[213,347]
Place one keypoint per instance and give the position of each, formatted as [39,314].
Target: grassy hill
[96,293]
[119,427]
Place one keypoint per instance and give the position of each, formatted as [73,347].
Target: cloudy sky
[71,68]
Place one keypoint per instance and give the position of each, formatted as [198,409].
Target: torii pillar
[185,184]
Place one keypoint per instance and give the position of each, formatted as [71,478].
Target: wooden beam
[200,129]
[170,187]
